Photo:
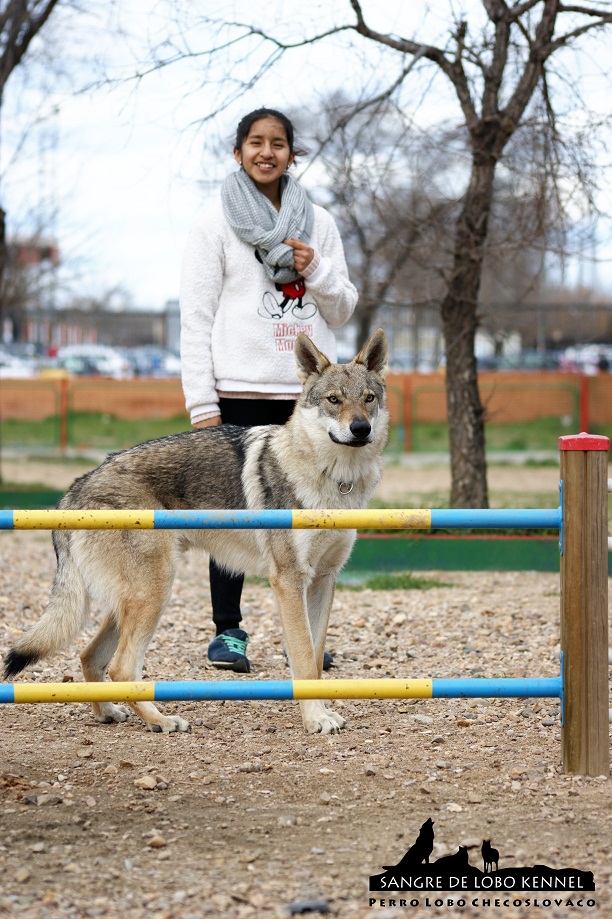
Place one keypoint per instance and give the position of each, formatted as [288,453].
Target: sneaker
[228,651]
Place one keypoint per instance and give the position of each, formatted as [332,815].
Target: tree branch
[453,69]
[405,45]
[361,107]
[583,10]
[604,19]
[516,11]
[21,24]
[494,74]
[287,46]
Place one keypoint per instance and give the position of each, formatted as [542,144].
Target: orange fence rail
[413,398]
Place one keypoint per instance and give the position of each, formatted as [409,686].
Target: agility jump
[582,685]
[228,690]
[407,519]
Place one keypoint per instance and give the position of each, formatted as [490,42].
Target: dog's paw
[323,721]
[107,713]
[336,718]
[169,724]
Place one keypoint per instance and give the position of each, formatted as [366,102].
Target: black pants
[226,589]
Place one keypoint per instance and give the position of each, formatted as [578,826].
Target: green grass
[529,435]
[25,488]
[34,434]
[90,430]
[107,432]
[404,580]
[401,581]
[543,434]
[96,430]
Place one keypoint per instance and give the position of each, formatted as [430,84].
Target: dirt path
[248,816]
[397,480]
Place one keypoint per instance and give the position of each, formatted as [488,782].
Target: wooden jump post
[584,603]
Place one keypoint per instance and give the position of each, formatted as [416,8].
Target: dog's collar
[345,488]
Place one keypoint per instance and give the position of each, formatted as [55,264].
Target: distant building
[35,253]
[48,329]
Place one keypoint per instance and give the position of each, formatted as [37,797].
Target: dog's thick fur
[334,437]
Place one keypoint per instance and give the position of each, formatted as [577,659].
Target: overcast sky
[118,175]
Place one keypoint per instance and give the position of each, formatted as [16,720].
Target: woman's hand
[208,422]
[302,253]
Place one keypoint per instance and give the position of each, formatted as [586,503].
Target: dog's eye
[333,399]
[370,397]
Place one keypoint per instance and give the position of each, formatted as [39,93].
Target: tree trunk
[364,323]
[460,321]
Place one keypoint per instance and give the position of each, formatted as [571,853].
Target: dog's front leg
[290,590]
[320,597]
[321,592]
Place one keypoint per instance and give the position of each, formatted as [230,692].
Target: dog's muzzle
[360,429]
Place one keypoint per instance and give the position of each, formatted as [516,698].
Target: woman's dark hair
[246,123]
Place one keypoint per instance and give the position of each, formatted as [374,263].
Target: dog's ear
[308,358]
[374,353]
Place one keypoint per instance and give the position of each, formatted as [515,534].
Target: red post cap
[584,441]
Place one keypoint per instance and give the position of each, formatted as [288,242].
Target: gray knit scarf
[256,221]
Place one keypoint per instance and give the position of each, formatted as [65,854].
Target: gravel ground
[249,817]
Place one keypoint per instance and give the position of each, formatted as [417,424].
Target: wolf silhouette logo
[455,862]
[414,871]
[490,856]
[420,851]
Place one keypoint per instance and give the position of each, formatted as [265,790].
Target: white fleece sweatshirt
[238,329]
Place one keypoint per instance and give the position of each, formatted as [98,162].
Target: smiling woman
[262,266]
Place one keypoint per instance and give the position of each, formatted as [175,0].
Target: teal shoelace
[234,644]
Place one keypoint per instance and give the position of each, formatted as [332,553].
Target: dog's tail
[63,618]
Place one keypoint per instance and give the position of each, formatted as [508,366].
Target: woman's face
[265,153]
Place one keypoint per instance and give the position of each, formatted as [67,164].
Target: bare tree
[368,176]
[386,182]
[20,22]
[509,65]
[498,62]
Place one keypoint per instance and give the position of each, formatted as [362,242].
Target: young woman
[262,265]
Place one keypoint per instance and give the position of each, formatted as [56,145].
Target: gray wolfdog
[328,455]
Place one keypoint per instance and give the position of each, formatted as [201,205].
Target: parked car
[93,360]
[153,361]
[487,362]
[530,359]
[590,359]
[16,368]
